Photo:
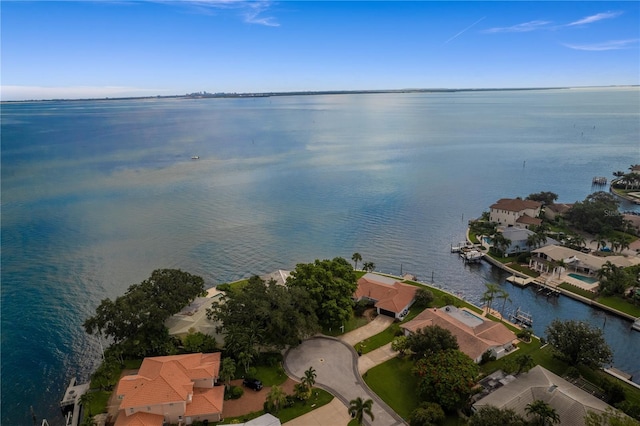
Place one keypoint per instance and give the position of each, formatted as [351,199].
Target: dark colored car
[254,384]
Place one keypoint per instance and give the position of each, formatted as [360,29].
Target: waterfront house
[515,212]
[475,335]
[176,389]
[518,238]
[571,403]
[557,209]
[389,296]
[545,259]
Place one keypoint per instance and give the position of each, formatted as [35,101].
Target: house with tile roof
[390,297]
[175,389]
[556,209]
[570,402]
[515,212]
[475,335]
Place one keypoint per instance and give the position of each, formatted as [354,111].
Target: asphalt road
[336,365]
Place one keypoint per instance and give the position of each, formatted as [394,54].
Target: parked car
[254,384]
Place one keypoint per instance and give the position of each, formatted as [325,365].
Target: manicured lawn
[524,269]
[620,304]
[577,290]
[98,403]
[353,323]
[271,376]
[394,383]
[318,399]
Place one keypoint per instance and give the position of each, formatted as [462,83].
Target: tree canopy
[331,285]
[446,378]
[579,343]
[264,315]
[544,197]
[430,340]
[135,321]
[597,214]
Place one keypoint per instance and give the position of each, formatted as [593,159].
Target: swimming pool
[582,278]
[463,316]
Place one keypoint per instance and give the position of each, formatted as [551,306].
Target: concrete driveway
[336,367]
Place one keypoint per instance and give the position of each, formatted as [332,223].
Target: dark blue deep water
[97,194]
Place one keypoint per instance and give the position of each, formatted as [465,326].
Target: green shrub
[614,391]
[236,392]
[486,357]
[572,373]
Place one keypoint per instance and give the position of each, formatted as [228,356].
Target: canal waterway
[98,194]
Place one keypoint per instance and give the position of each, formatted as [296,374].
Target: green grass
[393,382]
[577,290]
[473,237]
[618,303]
[98,403]
[271,376]
[353,323]
[524,269]
[318,399]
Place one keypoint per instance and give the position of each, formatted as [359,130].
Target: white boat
[636,324]
[195,157]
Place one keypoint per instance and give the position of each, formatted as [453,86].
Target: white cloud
[20,93]
[595,18]
[521,28]
[607,45]
[254,10]
[251,11]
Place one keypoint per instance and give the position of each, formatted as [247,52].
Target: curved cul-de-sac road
[336,365]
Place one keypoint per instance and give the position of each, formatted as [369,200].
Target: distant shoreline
[206,95]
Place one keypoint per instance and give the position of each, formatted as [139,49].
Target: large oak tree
[446,378]
[579,343]
[135,321]
[331,284]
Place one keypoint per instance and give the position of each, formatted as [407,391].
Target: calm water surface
[95,195]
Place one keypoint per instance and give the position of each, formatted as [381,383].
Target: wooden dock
[521,317]
[545,289]
[70,403]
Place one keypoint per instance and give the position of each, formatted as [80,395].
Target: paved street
[336,366]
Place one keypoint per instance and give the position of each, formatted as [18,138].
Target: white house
[515,212]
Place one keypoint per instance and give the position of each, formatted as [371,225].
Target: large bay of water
[97,194]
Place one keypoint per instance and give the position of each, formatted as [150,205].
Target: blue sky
[76,49]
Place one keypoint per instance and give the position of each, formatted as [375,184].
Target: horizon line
[205,94]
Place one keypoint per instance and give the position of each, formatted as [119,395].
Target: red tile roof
[206,401]
[390,297]
[528,220]
[139,419]
[472,341]
[515,204]
[170,379]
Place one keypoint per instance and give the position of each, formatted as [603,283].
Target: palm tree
[276,397]
[545,415]
[369,266]
[579,241]
[504,295]
[524,362]
[227,371]
[489,294]
[85,401]
[309,378]
[358,408]
[356,258]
